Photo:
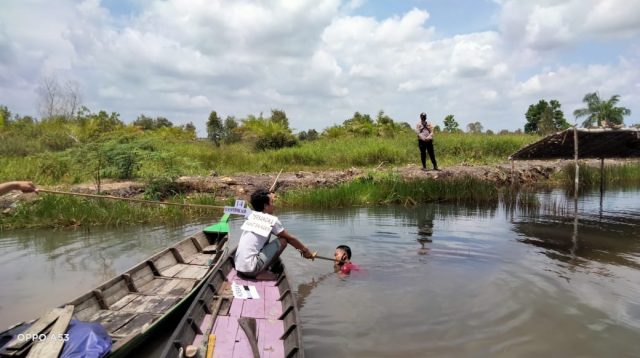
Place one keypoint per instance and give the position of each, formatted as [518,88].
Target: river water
[493,281]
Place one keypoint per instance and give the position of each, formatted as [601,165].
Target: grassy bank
[143,155]
[55,211]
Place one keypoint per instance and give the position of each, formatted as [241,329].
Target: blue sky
[322,60]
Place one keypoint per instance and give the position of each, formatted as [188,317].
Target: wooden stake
[575,153]
[273,187]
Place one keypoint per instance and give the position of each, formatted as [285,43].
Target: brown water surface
[493,282]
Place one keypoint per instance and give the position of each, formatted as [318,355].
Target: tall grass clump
[390,189]
[65,211]
[617,175]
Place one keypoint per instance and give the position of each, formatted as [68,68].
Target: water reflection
[608,241]
[485,280]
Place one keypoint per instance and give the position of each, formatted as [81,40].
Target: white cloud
[318,60]
[549,24]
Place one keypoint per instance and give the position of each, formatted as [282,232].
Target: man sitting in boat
[255,253]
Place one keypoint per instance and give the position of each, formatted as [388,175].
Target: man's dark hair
[259,199]
[423,115]
[346,249]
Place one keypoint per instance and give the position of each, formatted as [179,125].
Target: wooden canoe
[132,304]
[213,323]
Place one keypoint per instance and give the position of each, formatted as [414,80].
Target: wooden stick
[316,256]
[275,181]
[202,206]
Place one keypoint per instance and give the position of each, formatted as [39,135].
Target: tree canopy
[545,117]
[598,111]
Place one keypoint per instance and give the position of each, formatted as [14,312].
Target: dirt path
[241,184]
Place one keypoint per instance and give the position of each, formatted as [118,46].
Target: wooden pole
[601,184]
[273,187]
[575,153]
[601,176]
[110,197]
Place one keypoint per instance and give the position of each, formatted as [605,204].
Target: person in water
[343,262]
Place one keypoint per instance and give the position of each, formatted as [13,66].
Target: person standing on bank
[425,142]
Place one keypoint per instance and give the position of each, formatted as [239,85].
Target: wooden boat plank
[164,261]
[149,304]
[40,325]
[200,259]
[205,326]
[142,276]
[172,270]
[172,287]
[269,333]
[117,306]
[272,307]
[242,347]
[210,249]
[255,308]
[115,292]
[225,329]
[202,240]
[50,347]
[186,249]
[193,272]
[236,308]
[112,320]
[135,325]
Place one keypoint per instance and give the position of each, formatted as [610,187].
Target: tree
[546,125]
[162,122]
[215,130]
[312,134]
[189,127]
[475,127]
[278,116]
[599,111]
[56,100]
[5,117]
[383,120]
[231,134]
[554,118]
[489,132]
[450,124]
[144,122]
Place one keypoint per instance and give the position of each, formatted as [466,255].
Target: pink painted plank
[272,307]
[236,308]
[255,308]
[242,349]
[204,326]
[271,331]
[225,329]
[259,333]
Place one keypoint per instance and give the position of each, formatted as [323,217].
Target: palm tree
[599,111]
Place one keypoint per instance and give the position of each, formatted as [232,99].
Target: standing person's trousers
[427,146]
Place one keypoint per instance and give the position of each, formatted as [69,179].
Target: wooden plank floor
[231,341]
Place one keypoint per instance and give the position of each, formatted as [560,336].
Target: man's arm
[24,186]
[284,234]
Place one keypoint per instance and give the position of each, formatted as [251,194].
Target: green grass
[589,176]
[66,211]
[156,156]
[390,189]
